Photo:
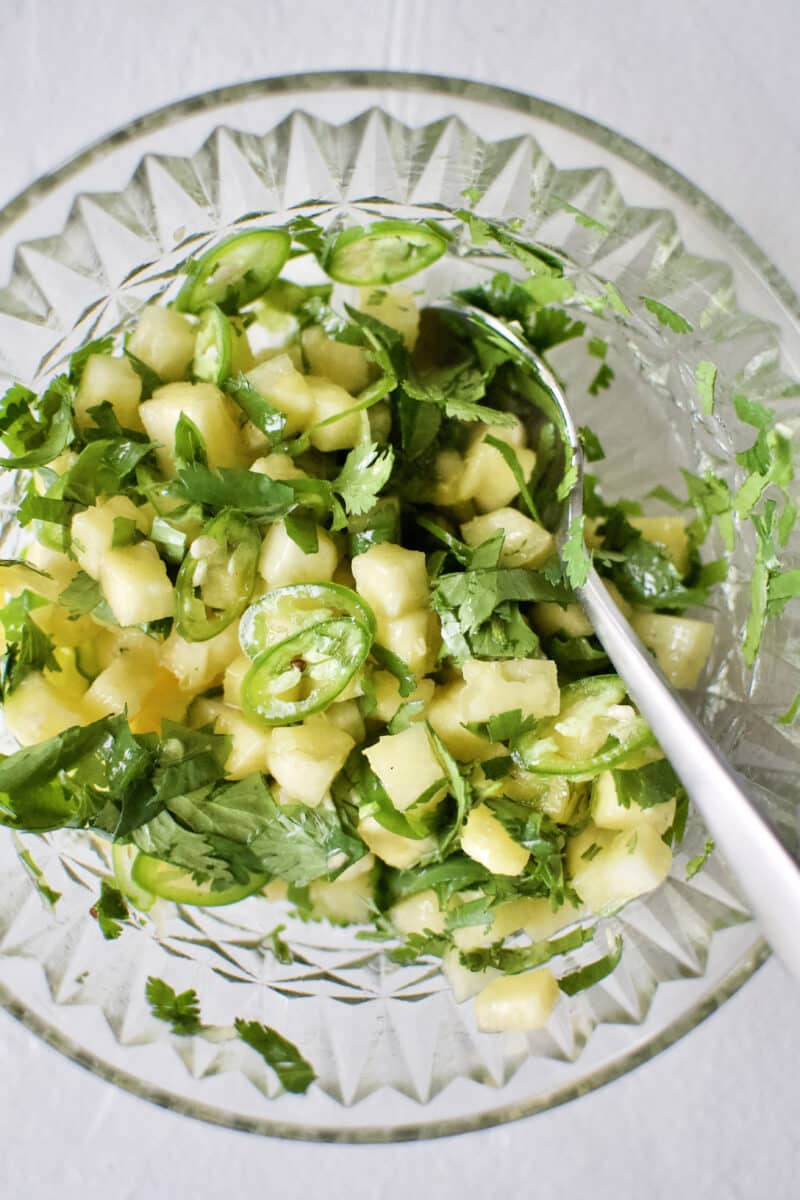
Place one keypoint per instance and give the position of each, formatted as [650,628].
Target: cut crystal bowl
[83,250]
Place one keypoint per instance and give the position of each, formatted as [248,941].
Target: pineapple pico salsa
[291,620]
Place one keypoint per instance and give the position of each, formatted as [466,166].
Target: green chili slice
[217,576]
[285,611]
[386,252]
[213,346]
[304,673]
[160,878]
[234,271]
[594,715]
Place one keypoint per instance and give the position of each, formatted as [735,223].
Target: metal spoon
[768,874]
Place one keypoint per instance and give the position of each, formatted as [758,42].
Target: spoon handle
[768,874]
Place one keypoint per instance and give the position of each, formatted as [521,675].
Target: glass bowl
[83,249]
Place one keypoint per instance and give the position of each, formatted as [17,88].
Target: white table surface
[710,86]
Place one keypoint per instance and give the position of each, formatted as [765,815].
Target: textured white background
[712,86]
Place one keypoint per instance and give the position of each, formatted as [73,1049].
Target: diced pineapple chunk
[62,571]
[35,711]
[487,478]
[196,665]
[542,921]
[570,619]
[63,627]
[517,1002]
[250,744]
[346,715]
[211,412]
[67,681]
[415,638]
[287,389]
[234,677]
[407,766]
[388,698]
[448,470]
[507,918]
[465,983]
[447,716]
[346,365]
[609,813]
[93,530]
[634,862]
[486,840]
[392,580]
[331,401]
[529,684]
[582,848]
[164,701]
[282,561]
[681,645]
[305,759]
[670,534]
[135,583]
[165,341]
[111,380]
[124,684]
[396,308]
[343,901]
[417,913]
[278,466]
[525,544]
[392,848]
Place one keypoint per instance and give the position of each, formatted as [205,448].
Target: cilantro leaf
[231,487]
[37,876]
[654,783]
[790,716]
[539,260]
[502,727]
[36,430]
[592,448]
[513,960]
[27,647]
[602,380]
[280,947]
[110,908]
[586,977]
[574,554]
[697,863]
[256,407]
[420,945]
[366,470]
[180,1010]
[295,1072]
[189,443]
[666,315]
[705,377]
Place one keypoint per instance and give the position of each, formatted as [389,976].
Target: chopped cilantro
[705,375]
[366,470]
[110,908]
[37,876]
[574,554]
[666,315]
[697,863]
[294,1072]
[180,1010]
[592,973]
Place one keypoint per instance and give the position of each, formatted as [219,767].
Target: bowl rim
[667,176]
